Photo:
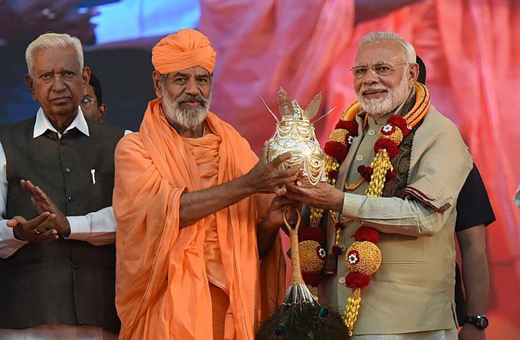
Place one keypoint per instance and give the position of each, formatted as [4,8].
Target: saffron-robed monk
[192,221]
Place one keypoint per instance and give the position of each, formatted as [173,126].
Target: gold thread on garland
[355,186]
[367,261]
[352,309]
[381,165]
[338,135]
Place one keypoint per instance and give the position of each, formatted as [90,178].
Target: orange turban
[182,50]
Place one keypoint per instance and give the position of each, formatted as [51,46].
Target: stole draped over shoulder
[162,289]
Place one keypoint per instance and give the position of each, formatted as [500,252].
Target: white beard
[186,118]
[380,106]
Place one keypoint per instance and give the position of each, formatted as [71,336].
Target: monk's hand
[281,205]
[267,177]
[43,203]
[322,195]
[35,230]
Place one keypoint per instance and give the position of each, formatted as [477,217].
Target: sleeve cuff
[352,206]
[79,228]
[8,243]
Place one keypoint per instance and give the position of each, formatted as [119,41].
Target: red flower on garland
[313,234]
[366,234]
[400,122]
[312,279]
[332,174]
[391,175]
[357,280]
[384,143]
[349,125]
[339,225]
[365,172]
[336,150]
[336,250]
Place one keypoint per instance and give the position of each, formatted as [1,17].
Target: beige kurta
[413,289]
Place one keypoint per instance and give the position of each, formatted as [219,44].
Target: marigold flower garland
[363,257]
[312,256]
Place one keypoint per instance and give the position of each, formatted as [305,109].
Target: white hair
[52,40]
[389,36]
[381,106]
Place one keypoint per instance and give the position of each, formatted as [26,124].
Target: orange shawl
[162,288]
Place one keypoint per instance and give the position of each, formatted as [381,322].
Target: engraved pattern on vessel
[295,134]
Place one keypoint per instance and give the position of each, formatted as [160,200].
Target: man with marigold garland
[395,168]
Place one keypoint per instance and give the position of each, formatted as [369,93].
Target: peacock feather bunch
[301,316]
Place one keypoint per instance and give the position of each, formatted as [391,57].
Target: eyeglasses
[380,69]
[88,101]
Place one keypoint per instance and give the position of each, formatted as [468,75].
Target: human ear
[413,73]
[157,84]
[29,82]
[86,78]
[102,110]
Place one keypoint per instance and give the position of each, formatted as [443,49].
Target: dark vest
[65,281]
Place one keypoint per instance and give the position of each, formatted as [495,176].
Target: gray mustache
[374,87]
[190,98]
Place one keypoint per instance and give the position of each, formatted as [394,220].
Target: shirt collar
[43,124]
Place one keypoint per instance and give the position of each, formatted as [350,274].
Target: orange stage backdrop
[471,49]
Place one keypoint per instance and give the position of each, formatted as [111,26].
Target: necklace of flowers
[363,257]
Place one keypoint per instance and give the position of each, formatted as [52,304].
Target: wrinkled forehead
[55,59]
[381,52]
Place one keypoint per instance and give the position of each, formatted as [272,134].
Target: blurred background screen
[117,37]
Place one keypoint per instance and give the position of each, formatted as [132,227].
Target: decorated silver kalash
[295,134]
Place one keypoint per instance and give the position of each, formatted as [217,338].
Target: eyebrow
[54,71]
[181,74]
[380,62]
[188,75]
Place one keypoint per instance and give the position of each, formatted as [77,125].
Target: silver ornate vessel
[295,134]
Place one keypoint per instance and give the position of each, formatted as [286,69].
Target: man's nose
[371,77]
[192,88]
[58,83]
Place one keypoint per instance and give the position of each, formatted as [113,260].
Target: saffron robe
[162,289]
